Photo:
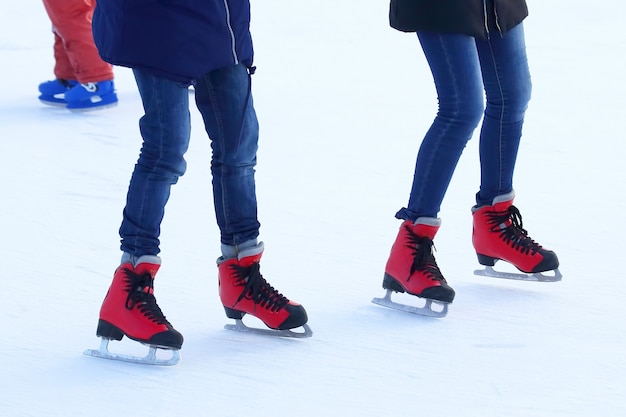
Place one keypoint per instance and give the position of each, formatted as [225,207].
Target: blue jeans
[224,100]
[465,70]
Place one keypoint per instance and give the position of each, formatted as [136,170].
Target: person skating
[473,48]
[168,48]
[83,80]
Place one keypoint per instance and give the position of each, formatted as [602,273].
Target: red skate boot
[130,309]
[243,290]
[412,268]
[498,234]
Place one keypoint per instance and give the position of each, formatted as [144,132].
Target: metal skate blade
[94,108]
[426,310]
[536,277]
[239,326]
[149,359]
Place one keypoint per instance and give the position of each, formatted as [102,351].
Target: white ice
[343,101]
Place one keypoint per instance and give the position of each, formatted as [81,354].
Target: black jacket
[477,18]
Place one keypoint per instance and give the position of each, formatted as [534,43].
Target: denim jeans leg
[453,60]
[507,81]
[224,99]
[165,129]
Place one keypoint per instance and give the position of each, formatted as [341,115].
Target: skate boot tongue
[422,250]
[141,292]
[509,224]
[258,290]
[423,258]
[504,215]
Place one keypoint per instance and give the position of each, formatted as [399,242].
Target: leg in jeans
[411,266]
[165,129]
[130,308]
[507,84]
[498,233]
[225,102]
[453,60]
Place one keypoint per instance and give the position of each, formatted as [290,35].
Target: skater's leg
[454,64]
[507,83]
[63,68]
[165,129]
[71,21]
[53,92]
[498,232]
[225,101]
[411,266]
[130,308]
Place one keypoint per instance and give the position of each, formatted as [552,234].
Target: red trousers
[74,49]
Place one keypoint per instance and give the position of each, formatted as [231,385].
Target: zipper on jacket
[495,16]
[232,33]
[486,18]
[495,13]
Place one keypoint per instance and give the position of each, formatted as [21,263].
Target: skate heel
[233,314]
[486,260]
[389,283]
[108,331]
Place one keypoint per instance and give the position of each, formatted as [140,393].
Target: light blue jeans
[465,70]
[224,99]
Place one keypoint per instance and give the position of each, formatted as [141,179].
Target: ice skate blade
[239,326]
[149,359]
[536,277]
[427,310]
[92,108]
[54,103]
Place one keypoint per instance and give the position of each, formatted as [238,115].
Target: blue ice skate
[53,92]
[91,96]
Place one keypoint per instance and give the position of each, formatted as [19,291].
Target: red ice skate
[498,234]
[243,290]
[130,309]
[412,268]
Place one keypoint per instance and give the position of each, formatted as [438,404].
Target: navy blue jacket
[181,40]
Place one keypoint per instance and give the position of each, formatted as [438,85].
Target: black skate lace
[513,234]
[423,258]
[140,288]
[257,289]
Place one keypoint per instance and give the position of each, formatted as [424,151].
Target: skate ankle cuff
[149,259]
[244,250]
[248,251]
[134,260]
[428,221]
[504,197]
